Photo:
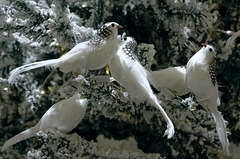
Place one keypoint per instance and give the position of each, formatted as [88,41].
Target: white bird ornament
[202,82]
[126,70]
[92,54]
[63,116]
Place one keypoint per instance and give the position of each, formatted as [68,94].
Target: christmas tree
[168,33]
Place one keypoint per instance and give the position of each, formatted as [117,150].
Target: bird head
[129,47]
[113,25]
[128,39]
[108,28]
[209,50]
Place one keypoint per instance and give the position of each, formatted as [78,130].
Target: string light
[229,32]
[5,89]
[63,50]
[107,70]
[84,5]
[42,92]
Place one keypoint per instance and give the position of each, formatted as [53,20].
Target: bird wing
[75,58]
[65,114]
[198,79]
[172,78]
[135,79]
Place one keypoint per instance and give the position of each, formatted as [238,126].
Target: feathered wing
[64,115]
[221,130]
[19,137]
[172,78]
[76,116]
[48,63]
[158,79]
[136,75]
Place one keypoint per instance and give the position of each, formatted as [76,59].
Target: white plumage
[126,69]
[172,78]
[201,80]
[63,116]
[92,54]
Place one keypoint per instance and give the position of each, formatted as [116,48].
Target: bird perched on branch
[126,70]
[172,78]
[202,82]
[63,116]
[92,54]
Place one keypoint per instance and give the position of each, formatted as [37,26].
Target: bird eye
[125,39]
[210,49]
[113,24]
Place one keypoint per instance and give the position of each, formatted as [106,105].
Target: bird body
[172,78]
[92,54]
[201,80]
[126,70]
[63,116]
[122,71]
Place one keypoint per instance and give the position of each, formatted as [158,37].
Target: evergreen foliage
[168,32]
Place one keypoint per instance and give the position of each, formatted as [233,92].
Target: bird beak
[204,45]
[119,27]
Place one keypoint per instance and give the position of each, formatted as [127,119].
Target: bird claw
[170,131]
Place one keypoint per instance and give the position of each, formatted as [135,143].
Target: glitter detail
[102,34]
[212,70]
[130,49]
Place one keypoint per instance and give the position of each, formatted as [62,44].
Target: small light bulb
[229,31]
[61,47]
[5,89]
[107,70]
[42,92]
[84,5]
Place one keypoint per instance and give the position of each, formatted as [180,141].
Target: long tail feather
[221,130]
[19,137]
[14,73]
[170,127]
